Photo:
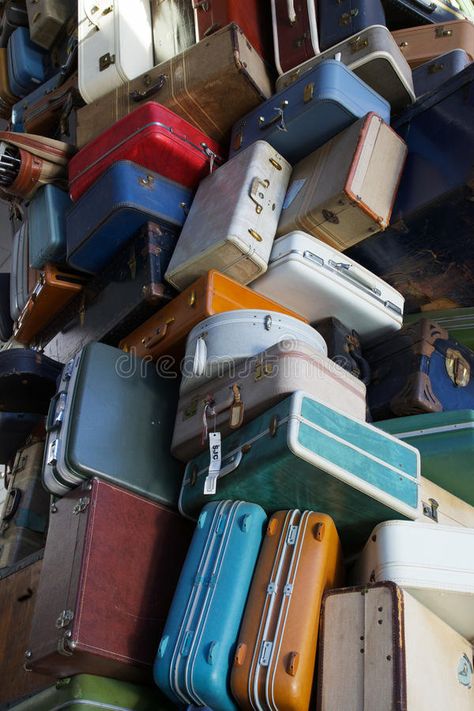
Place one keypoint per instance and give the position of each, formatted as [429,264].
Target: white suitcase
[344,191]
[173,28]
[433,563]
[233,219]
[317,282]
[440,506]
[220,342]
[115,44]
[255,385]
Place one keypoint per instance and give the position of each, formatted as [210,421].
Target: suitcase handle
[350,271]
[200,357]
[14,496]
[53,423]
[233,464]
[153,89]
[279,118]
[291,11]
[425,5]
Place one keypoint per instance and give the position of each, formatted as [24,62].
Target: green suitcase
[459,323]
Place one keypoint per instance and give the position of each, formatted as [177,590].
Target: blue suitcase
[47,226]
[195,654]
[410,13]
[431,75]
[339,19]
[27,63]
[302,117]
[121,201]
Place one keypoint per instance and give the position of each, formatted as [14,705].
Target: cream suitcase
[115,44]
[221,341]
[344,191]
[433,563]
[423,43]
[317,281]
[382,650]
[233,219]
[440,506]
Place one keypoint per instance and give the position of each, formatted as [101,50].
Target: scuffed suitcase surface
[173,28]
[27,381]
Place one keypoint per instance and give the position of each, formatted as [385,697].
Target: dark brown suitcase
[112,561]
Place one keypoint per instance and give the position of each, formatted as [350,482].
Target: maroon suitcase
[112,560]
[295,32]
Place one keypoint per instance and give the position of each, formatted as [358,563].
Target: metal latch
[442,32]
[52,457]
[256,194]
[81,505]
[292,535]
[435,68]
[105,61]
[266,653]
[64,619]
[430,509]
[346,17]
[357,44]
[458,368]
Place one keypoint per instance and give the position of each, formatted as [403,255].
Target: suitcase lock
[458,368]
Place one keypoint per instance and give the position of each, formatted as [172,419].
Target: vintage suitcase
[302,452]
[237,238]
[122,200]
[344,347]
[318,282]
[165,333]
[115,44]
[241,394]
[310,112]
[276,651]
[421,44]
[295,33]
[440,506]
[375,57]
[47,226]
[48,18]
[27,381]
[153,137]
[28,103]
[22,278]
[459,323]
[387,635]
[6,323]
[173,28]
[15,427]
[339,19]
[53,114]
[14,15]
[431,75]
[417,370]
[193,660]
[408,13]
[224,340]
[7,98]
[225,61]
[433,563]
[27,63]
[109,584]
[98,390]
[344,191]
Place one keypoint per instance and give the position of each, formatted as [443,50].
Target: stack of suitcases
[237,355]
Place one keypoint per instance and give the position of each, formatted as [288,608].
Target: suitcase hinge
[105,61]
[64,619]
[431,509]
[81,505]
[66,645]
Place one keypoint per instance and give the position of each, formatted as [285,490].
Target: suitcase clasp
[358,43]
[346,17]
[431,509]
[278,119]
[106,61]
[442,32]
[266,653]
[256,194]
[458,368]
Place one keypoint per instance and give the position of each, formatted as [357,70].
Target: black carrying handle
[14,497]
[147,93]
[428,7]
[364,367]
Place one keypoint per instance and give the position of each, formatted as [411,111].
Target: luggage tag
[215,452]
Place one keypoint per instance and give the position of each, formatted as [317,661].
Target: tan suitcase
[423,43]
[440,506]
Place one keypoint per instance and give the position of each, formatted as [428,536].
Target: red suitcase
[295,32]
[151,136]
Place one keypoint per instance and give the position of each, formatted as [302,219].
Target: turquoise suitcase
[303,455]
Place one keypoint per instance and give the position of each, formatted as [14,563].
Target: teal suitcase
[459,323]
[445,441]
[303,455]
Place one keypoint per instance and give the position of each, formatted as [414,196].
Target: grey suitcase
[19,287]
[47,18]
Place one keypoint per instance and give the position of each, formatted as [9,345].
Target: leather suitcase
[208,605]
[122,200]
[153,137]
[417,370]
[225,61]
[459,323]
[432,563]
[302,452]
[295,33]
[14,15]
[48,18]
[7,98]
[98,390]
[27,381]
[310,112]
[173,28]
[339,19]
[431,75]
[47,226]
[344,347]
[397,636]
[104,594]
[422,44]
[439,506]
[165,332]
[237,238]
[344,191]
[274,661]
[15,427]
[54,114]
[6,323]
[27,63]
[401,14]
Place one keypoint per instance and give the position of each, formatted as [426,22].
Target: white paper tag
[215,451]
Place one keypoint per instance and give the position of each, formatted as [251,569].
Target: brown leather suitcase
[276,651]
[111,564]
[49,116]
[7,99]
[423,43]
[166,331]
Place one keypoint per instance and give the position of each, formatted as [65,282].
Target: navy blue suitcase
[6,323]
[27,63]
[121,201]
[15,427]
[308,113]
[410,13]
[339,19]
[27,380]
[431,75]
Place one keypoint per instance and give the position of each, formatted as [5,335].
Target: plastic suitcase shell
[14,15]
[47,226]
[6,323]
[236,239]
[275,657]
[114,46]
[14,430]
[122,200]
[22,279]
[407,13]
[256,384]
[432,563]
[310,112]
[421,44]
[173,28]
[47,19]
[27,66]
[27,381]
[339,19]
[295,33]
[431,75]
[155,138]
[304,452]
[205,615]
[459,323]
[442,507]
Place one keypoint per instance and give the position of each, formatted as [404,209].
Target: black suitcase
[6,323]
[27,381]
[14,430]
[344,347]
[14,15]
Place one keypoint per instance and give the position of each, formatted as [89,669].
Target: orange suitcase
[276,652]
[166,331]
[423,43]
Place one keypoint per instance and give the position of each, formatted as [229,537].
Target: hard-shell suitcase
[21,106]
[225,61]
[27,63]
[7,98]
[375,57]
[115,44]
[6,323]
[256,384]
[432,74]
[47,226]
[105,587]
[320,282]
[52,113]
[421,44]
[14,15]
[173,28]
[91,433]
[152,136]
[417,370]
[47,19]
[433,563]
[459,323]
[15,427]
[344,347]
[194,655]
[392,645]
[226,339]
[344,191]
[295,33]
[303,453]
[442,507]
[22,278]
[339,19]
[310,112]
[274,661]
[122,200]
[237,238]
[408,13]
[166,331]
[27,380]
